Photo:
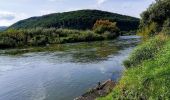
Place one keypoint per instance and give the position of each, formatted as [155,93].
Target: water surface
[62,74]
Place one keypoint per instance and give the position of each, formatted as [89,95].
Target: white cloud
[99,2]
[6,15]
[7,18]
[44,12]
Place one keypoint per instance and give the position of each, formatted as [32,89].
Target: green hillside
[81,19]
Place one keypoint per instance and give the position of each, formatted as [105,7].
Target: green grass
[145,51]
[148,77]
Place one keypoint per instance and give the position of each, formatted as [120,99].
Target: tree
[102,26]
[156,19]
[158,12]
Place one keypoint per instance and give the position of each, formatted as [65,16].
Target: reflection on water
[61,72]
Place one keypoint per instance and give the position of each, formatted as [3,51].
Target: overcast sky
[12,11]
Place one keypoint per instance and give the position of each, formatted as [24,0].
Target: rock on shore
[100,90]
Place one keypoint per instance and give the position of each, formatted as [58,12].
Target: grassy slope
[148,76]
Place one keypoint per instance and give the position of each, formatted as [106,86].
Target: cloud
[7,18]
[44,12]
[99,2]
[6,15]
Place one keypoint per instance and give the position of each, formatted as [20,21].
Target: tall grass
[146,51]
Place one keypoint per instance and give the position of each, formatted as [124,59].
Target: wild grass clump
[145,51]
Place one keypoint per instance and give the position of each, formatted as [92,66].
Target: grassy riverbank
[147,76]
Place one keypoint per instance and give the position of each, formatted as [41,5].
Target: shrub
[166,27]
[108,35]
[39,40]
[102,26]
[148,30]
[7,42]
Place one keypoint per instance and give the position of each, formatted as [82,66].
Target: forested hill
[81,19]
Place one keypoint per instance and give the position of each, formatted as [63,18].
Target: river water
[62,74]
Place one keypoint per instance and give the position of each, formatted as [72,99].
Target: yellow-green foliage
[148,30]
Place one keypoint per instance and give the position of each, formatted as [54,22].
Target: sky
[12,11]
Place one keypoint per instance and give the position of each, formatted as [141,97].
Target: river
[62,74]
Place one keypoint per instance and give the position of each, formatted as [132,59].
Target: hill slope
[81,19]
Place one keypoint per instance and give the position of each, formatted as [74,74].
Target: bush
[166,30]
[148,31]
[166,27]
[108,35]
[6,42]
[102,26]
[39,40]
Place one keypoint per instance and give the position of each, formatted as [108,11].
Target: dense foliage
[109,29]
[41,36]
[155,18]
[82,19]
[102,26]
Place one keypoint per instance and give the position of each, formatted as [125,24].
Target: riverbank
[102,89]
[147,76]
[68,46]
[148,72]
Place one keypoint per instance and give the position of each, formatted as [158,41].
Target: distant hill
[81,19]
[2,28]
